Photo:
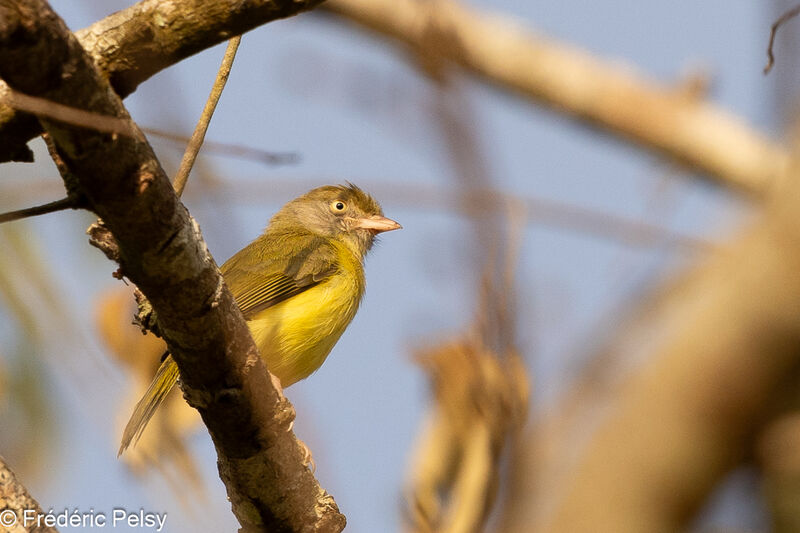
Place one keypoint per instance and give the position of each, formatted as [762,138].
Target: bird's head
[342,212]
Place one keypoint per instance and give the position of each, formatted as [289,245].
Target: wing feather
[264,273]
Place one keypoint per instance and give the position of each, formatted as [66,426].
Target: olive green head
[342,212]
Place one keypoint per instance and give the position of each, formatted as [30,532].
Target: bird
[298,285]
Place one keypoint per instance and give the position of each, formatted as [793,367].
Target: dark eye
[338,206]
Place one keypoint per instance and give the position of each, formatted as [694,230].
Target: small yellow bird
[298,286]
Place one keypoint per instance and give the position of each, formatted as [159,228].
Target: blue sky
[348,104]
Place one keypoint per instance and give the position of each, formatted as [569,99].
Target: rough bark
[161,250]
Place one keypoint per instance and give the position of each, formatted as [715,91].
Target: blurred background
[534,251]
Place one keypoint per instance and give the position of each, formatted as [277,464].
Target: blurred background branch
[674,122]
[539,210]
[479,384]
[724,347]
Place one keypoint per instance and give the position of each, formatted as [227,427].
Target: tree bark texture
[162,251]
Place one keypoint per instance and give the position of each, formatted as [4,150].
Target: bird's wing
[258,283]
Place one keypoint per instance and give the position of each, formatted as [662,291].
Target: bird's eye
[338,206]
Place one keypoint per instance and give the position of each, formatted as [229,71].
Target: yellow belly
[296,335]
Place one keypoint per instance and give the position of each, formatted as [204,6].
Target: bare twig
[41,107]
[233,150]
[581,220]
[74,198]
[199,134]
[539,210]
[788,15]
[51,207]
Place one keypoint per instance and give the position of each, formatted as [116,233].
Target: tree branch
[45,108]
[628,232]
[199,134]
[719,351]
[131,45]
[14,498]
[500,50]
[50,207]
[773,31]
[162,251]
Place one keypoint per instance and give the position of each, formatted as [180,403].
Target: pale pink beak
[377,224]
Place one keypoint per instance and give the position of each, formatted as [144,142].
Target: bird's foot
[308,459]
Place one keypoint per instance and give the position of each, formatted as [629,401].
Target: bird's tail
[165,379]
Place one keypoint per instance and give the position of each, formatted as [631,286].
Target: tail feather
[165,379]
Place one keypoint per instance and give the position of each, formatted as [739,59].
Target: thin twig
[199,134]
[41,107]
[572,218]
[74,199]
[65,203]
[788,15]
[232,150]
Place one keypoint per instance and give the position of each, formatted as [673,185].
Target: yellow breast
[296,335]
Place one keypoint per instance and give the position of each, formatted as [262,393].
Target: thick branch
[666,120]
[133,44]
[162,251]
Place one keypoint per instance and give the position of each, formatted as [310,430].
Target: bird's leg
[308,459]
[276,382]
